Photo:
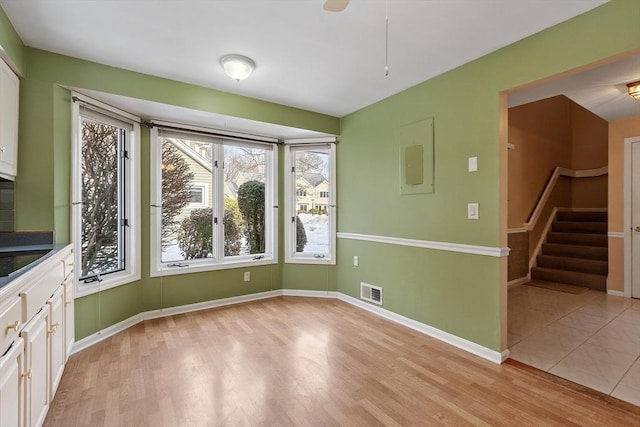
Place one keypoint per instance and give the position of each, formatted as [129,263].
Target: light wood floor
[307,362]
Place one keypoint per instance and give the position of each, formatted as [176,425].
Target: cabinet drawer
[10,323]
[36,295]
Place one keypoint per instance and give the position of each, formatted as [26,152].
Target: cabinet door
[9,95]
[11,380]
[36,361]
[56,340]
[69,320]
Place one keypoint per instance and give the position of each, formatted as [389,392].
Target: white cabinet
[9,98]
[12,377]
[37,325]
[69,313]
[56,340]
[36,353]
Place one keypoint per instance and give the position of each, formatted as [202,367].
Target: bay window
[213,200]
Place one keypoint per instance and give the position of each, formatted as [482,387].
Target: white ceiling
[601,90]
[306,57]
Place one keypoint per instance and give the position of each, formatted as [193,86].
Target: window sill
[164,270]
[309,260]
[111,281]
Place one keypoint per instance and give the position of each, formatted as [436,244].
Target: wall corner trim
[429,244]
[461,343]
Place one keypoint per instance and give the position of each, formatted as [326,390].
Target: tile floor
[592,339]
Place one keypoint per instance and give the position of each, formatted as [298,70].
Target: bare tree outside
[100,216]
[311,162]
[176,189]
[242,161]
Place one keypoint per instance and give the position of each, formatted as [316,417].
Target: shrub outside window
[212,202]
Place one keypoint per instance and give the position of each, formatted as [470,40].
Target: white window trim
[131,273]
[158,268]
[291,256]
[205,195]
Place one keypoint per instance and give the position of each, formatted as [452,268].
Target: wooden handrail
[557,173]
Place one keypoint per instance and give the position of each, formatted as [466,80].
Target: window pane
[244,200]
[101,222]
[197,195]
[187,221]
[312,200]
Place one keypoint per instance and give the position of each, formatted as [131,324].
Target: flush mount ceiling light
[238,67]
[634,90]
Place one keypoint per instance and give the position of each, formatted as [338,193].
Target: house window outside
[197,195]
[310,233]
[105,188]
[216,202]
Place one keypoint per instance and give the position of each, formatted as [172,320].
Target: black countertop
[22,251]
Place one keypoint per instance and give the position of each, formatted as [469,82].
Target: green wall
[11,43]
[43,183]
[458,293]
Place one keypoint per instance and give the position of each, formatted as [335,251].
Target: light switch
[473,164]
[472,211]
[356,260]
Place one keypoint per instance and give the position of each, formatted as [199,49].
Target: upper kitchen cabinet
[9,95]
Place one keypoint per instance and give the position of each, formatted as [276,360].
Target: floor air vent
[371,293]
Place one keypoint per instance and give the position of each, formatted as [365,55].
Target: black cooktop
[13,261]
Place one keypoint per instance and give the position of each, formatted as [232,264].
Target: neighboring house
[198,158]
[312,193]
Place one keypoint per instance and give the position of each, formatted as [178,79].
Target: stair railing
[557,173]
[530,225]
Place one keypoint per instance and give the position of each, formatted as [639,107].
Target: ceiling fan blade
[335,5]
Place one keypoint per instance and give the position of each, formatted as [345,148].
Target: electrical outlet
[356,260]
[472,211]
[247,276]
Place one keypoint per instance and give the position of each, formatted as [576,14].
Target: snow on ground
[316,228]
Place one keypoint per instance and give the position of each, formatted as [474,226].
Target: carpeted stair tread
[595,216]
[586,239]
[588,227]
[591,281]
[591,266]
[575,251]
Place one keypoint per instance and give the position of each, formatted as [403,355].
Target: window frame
[204,187]
[290,193]
[131,182]
[218,261]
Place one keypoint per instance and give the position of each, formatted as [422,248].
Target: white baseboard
[461,343]
[163,312]
[518,282]
[105,333]
[310,294]
[615,293]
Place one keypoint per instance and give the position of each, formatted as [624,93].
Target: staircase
[575,251]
